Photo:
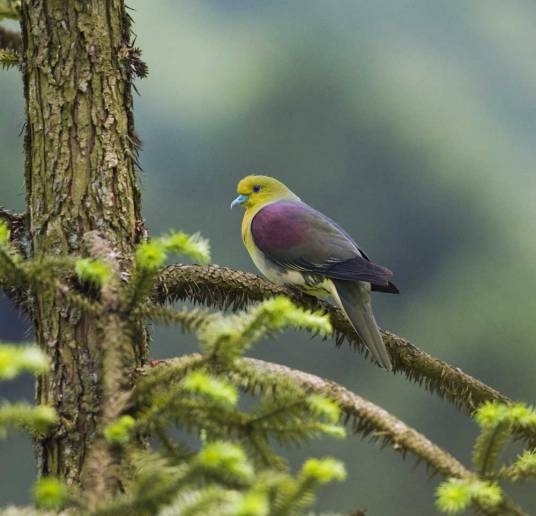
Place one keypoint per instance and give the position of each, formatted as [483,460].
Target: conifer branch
[9,39]
[366,418]
[187,319]
[131,56]
[103,474]
[226,288]
[8,58]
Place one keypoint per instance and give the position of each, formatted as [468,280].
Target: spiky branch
[226,288]
[364,417]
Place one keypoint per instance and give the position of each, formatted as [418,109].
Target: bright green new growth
[119,432]
[92,271]
[33,419]
[17,359]
[498,422]
[4,233]
[214,388]
[523,468]
[49,493]
[323,407]
[228,337]
[491,414]
[456,495]
[324,470]
[235,469]
[237,447]
[226,459]
[194,246]
[152,255]
[13,361]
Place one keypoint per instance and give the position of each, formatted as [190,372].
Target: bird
[292,243]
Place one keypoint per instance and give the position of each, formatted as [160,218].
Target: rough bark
[80,176]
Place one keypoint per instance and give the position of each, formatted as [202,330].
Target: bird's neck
[246,222]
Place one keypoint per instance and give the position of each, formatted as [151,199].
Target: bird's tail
[354,299]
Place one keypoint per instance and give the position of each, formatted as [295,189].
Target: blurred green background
[412,124]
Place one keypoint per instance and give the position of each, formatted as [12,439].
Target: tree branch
[367,419]
[9,39]
[226,288]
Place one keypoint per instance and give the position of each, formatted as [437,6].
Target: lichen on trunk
[80,176]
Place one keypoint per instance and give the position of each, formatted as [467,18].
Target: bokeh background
[412,124]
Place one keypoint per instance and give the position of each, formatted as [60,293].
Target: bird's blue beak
[241,199]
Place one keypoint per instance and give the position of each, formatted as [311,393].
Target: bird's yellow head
[255,191]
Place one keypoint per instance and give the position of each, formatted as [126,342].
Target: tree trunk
[80,176]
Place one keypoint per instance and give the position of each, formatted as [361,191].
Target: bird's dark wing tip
[390,288]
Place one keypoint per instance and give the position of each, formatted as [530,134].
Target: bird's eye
[256,188]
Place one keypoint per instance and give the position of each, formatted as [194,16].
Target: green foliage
[150,256]
[26,417]
[227,460]
[4,233]
[214,388]
[8,257]
[498,422]
[119,432]
[16,359]
[49,493]
[194,246]
[95,272]
[236,470]
[456,495]
[523,468]
[226,338]
[323,407]
[323,470]
[13,361]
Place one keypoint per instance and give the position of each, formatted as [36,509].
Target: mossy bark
[80,176]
